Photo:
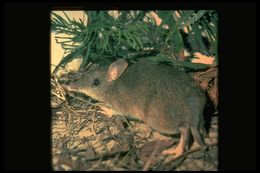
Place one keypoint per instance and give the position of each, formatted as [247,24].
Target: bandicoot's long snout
[70,87]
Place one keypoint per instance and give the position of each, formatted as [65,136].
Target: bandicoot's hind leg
[196,106]
[202,127]
[198,141]
[184,141]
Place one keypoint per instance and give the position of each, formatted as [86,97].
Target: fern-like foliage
[134,34]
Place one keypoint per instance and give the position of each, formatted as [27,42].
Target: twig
[96,165]
[59,86]
[105,156]
[93,130]
[69,107]
[127,122]
[111,134]
[146,166]
[62,98]
[83,124]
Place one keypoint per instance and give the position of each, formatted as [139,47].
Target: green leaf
[88,36]
[198,37]
[60,19]
[138,41]
[195,17]
[167,18]
[106,37]
[67,16]
[119,34]
[86,57]
[208,31]
[92,17]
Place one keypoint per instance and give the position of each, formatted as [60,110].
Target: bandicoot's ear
[116,69]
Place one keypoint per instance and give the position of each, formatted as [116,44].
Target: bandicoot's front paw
[106,111]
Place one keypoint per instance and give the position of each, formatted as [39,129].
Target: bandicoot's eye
[95,82]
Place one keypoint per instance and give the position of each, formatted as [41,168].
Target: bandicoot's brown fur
[167,99]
